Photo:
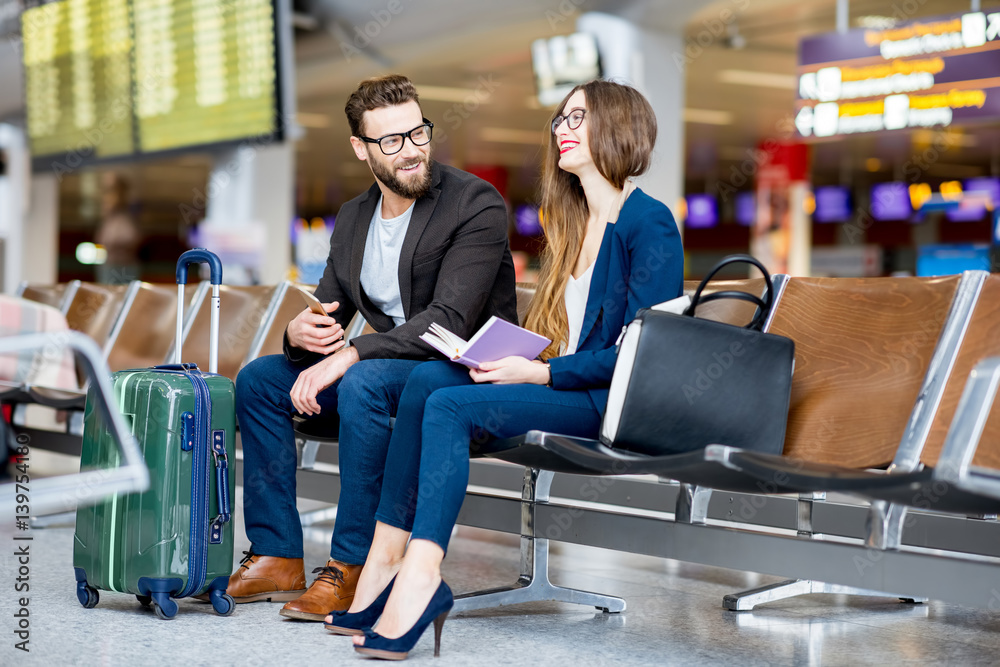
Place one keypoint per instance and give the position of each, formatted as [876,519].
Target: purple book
[495,340]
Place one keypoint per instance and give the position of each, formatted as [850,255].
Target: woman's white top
[577,290]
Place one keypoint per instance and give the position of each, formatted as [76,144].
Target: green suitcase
[176,539]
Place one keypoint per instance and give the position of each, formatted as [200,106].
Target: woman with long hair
[611,250]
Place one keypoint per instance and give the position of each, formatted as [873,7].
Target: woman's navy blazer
[640,263]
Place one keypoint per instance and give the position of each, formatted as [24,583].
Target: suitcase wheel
[164,607]
[144,600]
[224,604]
[87,595]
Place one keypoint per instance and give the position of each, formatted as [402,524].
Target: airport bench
[813,537]
[859,344]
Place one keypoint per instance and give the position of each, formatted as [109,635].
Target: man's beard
[409,189]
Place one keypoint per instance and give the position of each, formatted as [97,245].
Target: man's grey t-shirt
[380,266]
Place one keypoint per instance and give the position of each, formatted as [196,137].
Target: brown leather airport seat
[50,295]
[291,305]
[525,293]
[241,310]
[144,334]
[366,329]
[95,308]
[730,311]
[982,339]
[862,349]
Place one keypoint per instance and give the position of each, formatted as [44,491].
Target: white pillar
[13,204]
[41,230]
[645,59]
[249,211]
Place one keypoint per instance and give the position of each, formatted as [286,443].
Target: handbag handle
[763,303]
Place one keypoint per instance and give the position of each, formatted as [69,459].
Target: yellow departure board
[204,71]
[112,78]
[78,79]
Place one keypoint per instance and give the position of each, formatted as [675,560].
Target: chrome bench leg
[692,504]
[747,600]
[61,520]
[534,585]
[307,457]
[884,525]
[318,516]
[804,513]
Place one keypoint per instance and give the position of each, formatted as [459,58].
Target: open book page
[495,340]
[444,341]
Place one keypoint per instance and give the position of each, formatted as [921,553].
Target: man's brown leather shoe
[267,578]
[332,590]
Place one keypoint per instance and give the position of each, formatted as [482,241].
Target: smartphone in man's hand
[311,301]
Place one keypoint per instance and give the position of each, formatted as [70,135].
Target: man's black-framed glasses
[573,119]
[393,143]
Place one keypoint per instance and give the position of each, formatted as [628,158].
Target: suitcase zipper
[200,487]
[200,484]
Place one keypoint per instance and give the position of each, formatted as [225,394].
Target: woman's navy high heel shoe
[346,623]
[437,610]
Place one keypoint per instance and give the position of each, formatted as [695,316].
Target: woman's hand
[511,370]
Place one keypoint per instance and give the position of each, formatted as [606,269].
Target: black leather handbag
[683,383]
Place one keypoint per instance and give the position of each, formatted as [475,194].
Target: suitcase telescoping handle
[199,256]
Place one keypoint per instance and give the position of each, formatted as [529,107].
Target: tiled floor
[674,617]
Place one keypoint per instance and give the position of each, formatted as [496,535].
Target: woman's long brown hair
[621,131]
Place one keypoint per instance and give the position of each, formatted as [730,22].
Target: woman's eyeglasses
[573,120]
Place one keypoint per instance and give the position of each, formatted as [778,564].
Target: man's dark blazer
[455,267]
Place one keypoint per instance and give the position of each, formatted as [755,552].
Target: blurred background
[829,137]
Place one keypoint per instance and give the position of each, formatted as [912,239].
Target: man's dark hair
[375,93]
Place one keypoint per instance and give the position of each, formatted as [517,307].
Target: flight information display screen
[204,71]
[78,78]
[112,78]
[928,72]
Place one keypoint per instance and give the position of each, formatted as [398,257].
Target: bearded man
[426,243]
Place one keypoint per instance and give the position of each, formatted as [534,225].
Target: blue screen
[945,260]
[833,204]
[974,211]
[746,208]
[526,220]
[702,211]
[891,201]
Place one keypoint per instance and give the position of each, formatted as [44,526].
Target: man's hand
[318,377]
[511,370]
[316,333]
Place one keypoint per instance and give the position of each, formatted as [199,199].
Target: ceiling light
[874,22]
[708,117]
[508,136]
[765,79]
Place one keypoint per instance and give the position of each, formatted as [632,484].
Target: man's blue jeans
[366,397]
